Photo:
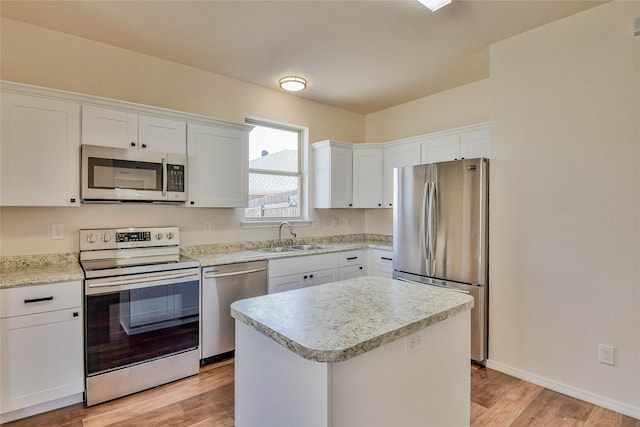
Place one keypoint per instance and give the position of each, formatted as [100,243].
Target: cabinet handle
[133,144]
[144,145]
[28,301]
[75,314]
[72,200]
[311,276]
[360,268]
[304,277]
[379,204]
[386,259]
[350,204]
[192,202]
[390,204]
[352,258]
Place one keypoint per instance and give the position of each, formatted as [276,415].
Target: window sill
[275,223]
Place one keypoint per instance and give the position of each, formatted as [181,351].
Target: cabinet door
[320,277]
[441,149]
[162,135]
[285,283]
[393,157]
[475,144]
[109,128]
[39,151]
[41,358]
[351,272]
[367,177]
[218,167]
[341,177]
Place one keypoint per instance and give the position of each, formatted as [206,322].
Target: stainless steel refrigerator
[440,233]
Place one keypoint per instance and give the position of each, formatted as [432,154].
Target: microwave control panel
[175,178]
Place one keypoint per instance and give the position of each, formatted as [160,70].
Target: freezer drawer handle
[214,274]
[29,301]
[448,288]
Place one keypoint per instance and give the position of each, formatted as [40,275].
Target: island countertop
[337,321]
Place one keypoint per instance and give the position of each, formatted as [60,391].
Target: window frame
[301,174]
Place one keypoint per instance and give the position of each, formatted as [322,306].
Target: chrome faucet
[283,223]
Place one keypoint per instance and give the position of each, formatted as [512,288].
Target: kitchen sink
[294,248]
[308,247]
[277,249]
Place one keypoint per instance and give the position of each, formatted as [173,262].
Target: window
[275,178]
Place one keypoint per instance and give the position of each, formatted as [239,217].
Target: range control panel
[120,238]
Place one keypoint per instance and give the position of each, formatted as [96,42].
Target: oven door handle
[132,283]
[213,274]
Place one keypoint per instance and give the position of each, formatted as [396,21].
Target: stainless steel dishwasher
[221,286]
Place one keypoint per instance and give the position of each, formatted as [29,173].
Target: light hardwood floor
[207,400]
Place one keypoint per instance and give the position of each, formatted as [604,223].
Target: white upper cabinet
[218,166]
[367,175]
[39,151]
[396,155]
[123,129]
[333,173]
[462,143]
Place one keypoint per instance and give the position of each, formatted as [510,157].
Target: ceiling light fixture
[293,83]
[435,4]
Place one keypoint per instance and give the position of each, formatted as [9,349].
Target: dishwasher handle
[214,273]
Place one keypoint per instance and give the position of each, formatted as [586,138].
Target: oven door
[138,318]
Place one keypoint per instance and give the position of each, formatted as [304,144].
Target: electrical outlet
[414,342]
[606,354]
[206,226]
[57,231]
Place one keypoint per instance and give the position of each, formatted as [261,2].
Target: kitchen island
[365,351]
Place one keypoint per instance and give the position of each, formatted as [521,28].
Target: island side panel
[387,387]
[276,387]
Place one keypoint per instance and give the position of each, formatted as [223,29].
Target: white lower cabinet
[41,349]
[351,264]
[286,274]
[380,263]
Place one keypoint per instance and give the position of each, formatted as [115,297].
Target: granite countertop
[37,270]
[221,258]
[25,270]
[340,320]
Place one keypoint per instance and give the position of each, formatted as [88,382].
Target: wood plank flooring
[207,400]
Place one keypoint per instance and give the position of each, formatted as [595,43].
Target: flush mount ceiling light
[435,4]
[293,83]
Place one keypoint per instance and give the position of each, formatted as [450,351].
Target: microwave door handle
[164,177]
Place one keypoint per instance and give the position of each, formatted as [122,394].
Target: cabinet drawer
[40,298]
[381,258]
[351,258]
[302,264]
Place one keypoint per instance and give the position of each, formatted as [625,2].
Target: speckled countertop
[39,269]
[26,270]
[337,321]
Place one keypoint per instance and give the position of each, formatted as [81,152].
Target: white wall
[41,57]
[565,205]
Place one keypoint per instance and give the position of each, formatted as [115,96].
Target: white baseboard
[43,407]
[593,398]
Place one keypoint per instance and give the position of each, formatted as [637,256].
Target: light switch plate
[57,231]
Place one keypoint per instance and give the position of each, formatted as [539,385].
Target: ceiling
[362,56]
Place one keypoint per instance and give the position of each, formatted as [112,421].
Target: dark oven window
[133,326]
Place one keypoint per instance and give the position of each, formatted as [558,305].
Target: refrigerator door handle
[448,288]
[424,229]
[433,223]
[430,235]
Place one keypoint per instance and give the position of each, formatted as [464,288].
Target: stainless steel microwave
[111,175]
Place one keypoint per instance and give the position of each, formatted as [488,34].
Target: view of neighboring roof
[261,184]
